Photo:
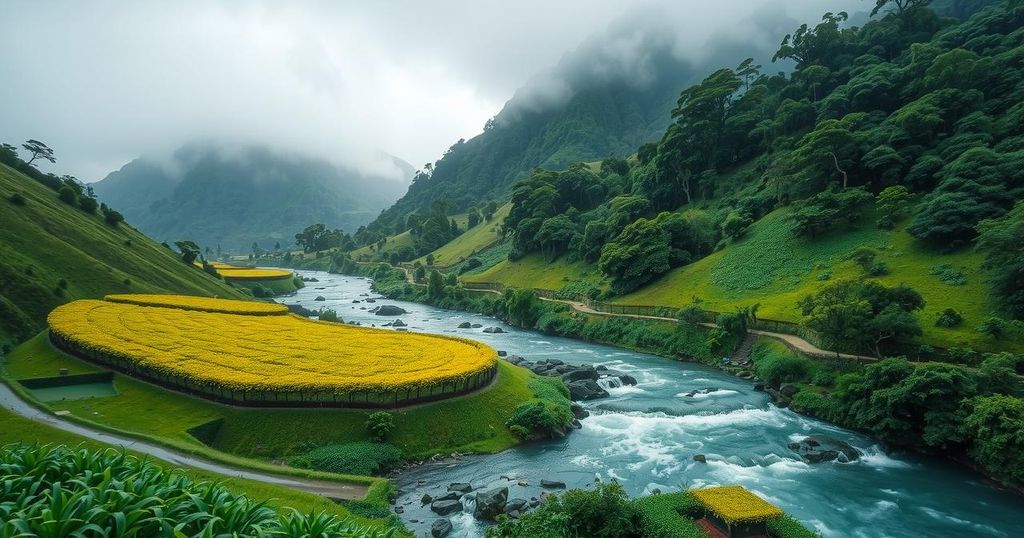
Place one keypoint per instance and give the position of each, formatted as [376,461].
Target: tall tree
[38,150]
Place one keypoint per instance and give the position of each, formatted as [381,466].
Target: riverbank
[809,386]
[646,437]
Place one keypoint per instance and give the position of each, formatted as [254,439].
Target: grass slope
[772,267]
[46,241]
[536,271]
[472,241]
[475,422]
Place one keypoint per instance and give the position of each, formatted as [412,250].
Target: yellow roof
[735,504]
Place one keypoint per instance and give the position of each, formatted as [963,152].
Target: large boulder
[389,310]
[552,484]
[494,330]
[446,507]
[465,325]
[587,389]
[515,505]
[821,448]
[579,373]
[627,379]
[490,503]
[578,411]
[440,528]
[320,298]
[460,487]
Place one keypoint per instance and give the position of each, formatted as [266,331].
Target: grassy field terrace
[257,354]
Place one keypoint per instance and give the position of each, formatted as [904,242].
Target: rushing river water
[646,436]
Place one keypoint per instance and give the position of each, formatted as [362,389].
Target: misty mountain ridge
[232,197]
[609,96]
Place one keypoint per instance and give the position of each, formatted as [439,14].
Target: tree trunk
[835,161]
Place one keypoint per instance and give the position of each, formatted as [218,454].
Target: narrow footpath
[793,341]
[332,490]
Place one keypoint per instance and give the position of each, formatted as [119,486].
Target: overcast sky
[104,82]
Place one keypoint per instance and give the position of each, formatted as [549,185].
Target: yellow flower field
[255,274]
[205,304]
[735,504]
[280,353]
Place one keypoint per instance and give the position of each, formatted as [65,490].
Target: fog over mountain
[106,82]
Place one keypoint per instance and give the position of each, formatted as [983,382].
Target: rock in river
[320,298]
[820,448]
[465,325]
[460,487]
[552,484]
[440,528]
[586,390]
[446,507]
[494,330]
[389,310]
[490,503]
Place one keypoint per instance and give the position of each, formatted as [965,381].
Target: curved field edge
[291,360]
[251,437]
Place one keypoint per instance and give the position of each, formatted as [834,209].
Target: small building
[734,512]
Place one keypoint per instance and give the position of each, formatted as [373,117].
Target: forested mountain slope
[52,252]
[233,198]
[911,121]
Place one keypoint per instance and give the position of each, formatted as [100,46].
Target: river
[646,436]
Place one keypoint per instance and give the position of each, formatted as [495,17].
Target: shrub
[17,198]
[67,195]
[949,318]
[88,204]
[878,269]
[539,419]
[949,274]
[112,217]
[327,314]
[775,364]
[379,425]
[360,458]
[603,512]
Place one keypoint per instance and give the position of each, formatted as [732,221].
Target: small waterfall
[607,383]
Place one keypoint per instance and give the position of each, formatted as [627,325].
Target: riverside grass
[202,304]
[267,353]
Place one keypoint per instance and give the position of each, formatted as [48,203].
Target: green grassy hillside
[52,253]
[772,267]
[472,241]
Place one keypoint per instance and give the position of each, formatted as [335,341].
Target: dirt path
[332,490]
[793,341]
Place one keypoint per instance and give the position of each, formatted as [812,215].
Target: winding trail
[793,341]
[332,490]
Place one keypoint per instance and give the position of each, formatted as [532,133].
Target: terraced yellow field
[204,304]
[261,353]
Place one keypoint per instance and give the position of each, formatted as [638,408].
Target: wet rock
[534,503]
[578,411]
[515,359]
[476,325]
[446,507]
[586,390]
[426,499]
[388,310]
[627,379]
[502,353]
[744,374]
[494,330]
[759,387]
[355,301]
[399,510]
[300,310]
[450,496]
[576,424]
[440,528]
[514,505]
[371,300]
[601,367]
[552,484]
[320,298]
[788,389]
[398,323]
[579,374]
[460,487]
[490,503]
[821,448]
[465,325]
[700,458]
[555,362]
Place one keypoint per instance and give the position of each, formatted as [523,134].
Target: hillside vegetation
[52,253]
